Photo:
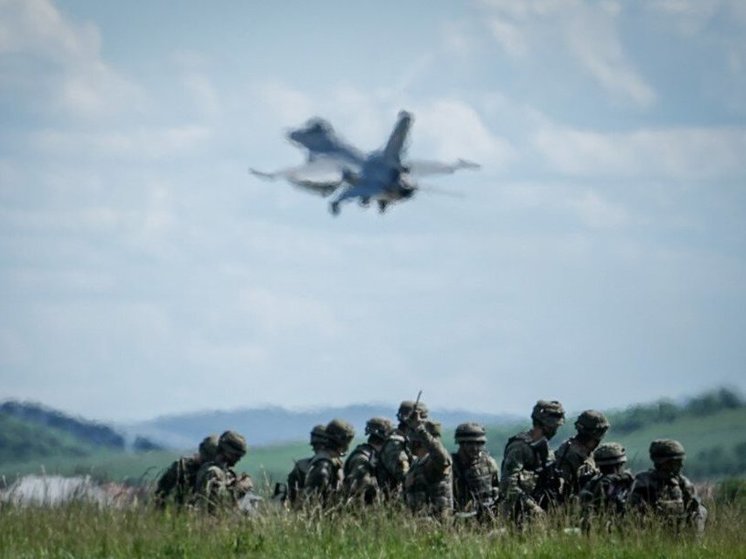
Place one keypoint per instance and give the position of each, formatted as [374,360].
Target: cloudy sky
[599,256]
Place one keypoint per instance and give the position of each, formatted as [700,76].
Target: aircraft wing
[319,138]
[423,168]
[321,176]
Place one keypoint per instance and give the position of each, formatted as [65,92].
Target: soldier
[526,461]
[475,474]
[297,476]
[360,469]
[396,456]
[218,486]
[428,484]
[177,482]
[664,491]
[606,493]
[573,460]
[324,477]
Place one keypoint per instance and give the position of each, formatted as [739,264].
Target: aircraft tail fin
[396,141]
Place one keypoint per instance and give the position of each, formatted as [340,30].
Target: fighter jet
[334,166]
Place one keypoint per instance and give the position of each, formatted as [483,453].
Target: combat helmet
[610,454]
[406,408]
[378,427]
[233,443]
[592,423]
[208,448]
[663,450]
[549,413]
[318,435]
[339,433]
[470,433]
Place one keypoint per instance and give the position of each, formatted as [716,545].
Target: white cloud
[455,129]
[61,62]
[148,143]
[586,31]
[288,104]
[509,35]
[680,153]
[689,16]
[597,212]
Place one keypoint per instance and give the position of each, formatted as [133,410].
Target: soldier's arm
[640,495]
[167,481]
[517,455]
[210,487]
[696,511]
[242,485]
[294,483]
[494,477]
[439,458]
[566,466]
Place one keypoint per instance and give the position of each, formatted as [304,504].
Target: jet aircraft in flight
[334,166]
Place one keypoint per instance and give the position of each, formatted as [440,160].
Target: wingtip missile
[464,164]
[262,174]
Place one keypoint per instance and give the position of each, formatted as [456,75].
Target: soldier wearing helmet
[324,478]
[297,476]
[428,483]
[176,485]
[607,492]
[527,457]
[665,491]
[396,455]
[361,466]
[218,486]
[475,475]
[574,460]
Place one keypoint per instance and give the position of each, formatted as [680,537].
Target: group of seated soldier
[407,463]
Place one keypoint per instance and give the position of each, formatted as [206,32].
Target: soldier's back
[574,465]
[360,473]
[394,462]
[324,475]
[297,478]
[177,483]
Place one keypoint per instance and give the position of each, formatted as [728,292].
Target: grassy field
[84,531]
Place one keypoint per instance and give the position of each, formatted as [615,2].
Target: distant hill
[32,431]
[275,425]
[711,427]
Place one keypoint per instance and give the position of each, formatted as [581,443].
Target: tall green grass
[84,531]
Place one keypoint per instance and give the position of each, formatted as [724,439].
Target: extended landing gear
[382,206]
[334,208]
[364,202]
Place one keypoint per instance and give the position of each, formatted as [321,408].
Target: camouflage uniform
[475,474]
[607,492]
[177,482]
[324,477]
[396,456]
[297,476]
[665,492]
[526,462]
[218,487]
[428,484]
[361,467]
[573,460]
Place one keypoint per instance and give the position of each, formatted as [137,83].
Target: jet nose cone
[405,115]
